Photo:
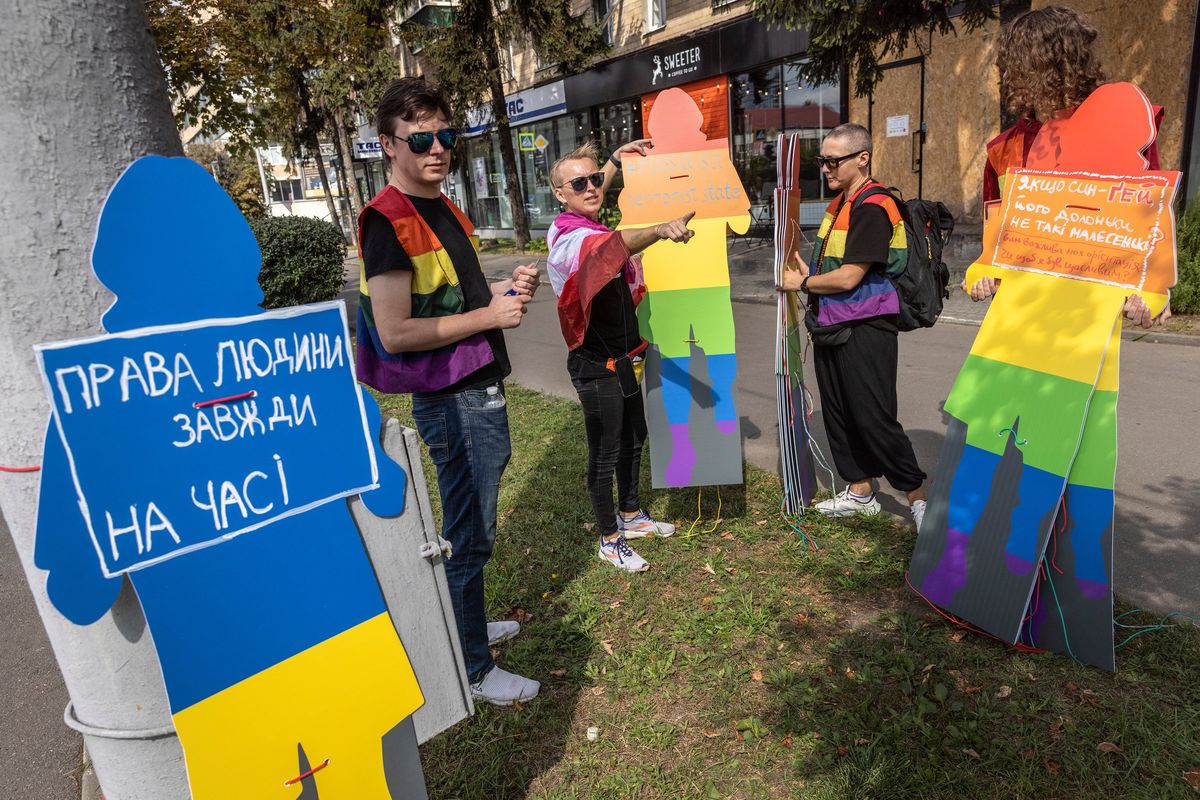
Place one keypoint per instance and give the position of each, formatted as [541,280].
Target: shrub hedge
[302,260]
[1185,297]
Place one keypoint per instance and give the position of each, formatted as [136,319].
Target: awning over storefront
[718,51]
[527,105]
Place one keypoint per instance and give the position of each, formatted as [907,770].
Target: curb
[89,785]
[1150,336]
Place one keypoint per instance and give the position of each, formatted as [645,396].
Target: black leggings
[616,430]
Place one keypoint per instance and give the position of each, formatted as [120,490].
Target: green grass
[743,666]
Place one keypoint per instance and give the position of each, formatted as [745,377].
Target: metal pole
[71,122]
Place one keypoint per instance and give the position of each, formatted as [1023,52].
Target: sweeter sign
[1103,228]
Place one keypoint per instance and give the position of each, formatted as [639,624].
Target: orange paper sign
[1113,229]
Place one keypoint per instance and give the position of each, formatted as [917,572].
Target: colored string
[1018,646]
[691,531]
[20,469]
[1020,442]
[1061,617]
[1141,629]
[308,774]
[798,526]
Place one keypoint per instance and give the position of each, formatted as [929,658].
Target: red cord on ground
[19,469]
[1018,646]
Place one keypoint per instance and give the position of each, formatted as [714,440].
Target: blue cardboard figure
[236,434]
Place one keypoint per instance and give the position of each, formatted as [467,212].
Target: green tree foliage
[464,57]
[865,33]
[302,262]
[237,172]
[1185,297]
[277,70]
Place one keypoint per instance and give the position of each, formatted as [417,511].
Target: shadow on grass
[903,705]
[538,555]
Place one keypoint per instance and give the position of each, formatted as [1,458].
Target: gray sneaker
[621,555]
[501,631]
[918,513]
[643,525]
[843,505]
[502,688]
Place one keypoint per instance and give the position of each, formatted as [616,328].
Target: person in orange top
[1048,67]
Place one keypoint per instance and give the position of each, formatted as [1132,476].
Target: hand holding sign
[676,230]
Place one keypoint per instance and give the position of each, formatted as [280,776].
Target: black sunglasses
[578,185]
[833,162]
[420,141]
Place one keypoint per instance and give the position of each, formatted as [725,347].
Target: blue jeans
[469,445]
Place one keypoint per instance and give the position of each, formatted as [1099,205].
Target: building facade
[930,117]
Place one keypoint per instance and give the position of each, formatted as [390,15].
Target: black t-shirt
[867,242]
[382,253]
[612,328]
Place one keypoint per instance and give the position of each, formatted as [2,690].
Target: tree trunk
[66,61]
[334,216]
[356,197]
[345,196]
[516,197]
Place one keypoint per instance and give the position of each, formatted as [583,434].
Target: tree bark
[516,197]
[347,183]
[334,216]
[355,193]
[71,61]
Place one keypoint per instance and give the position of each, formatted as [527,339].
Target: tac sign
[182,436]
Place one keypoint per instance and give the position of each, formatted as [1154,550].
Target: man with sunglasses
[852,309]
[597,278]
[429,324]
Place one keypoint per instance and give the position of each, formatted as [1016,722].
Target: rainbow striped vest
[435,293]
[876,295]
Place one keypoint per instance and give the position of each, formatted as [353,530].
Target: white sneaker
[843,505]
[918,513]
[502,688]
[642,525]
[501,631]
[621,555]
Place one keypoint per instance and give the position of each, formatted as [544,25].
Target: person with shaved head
[851,316]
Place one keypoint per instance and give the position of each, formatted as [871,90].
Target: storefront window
[550,140]
[812,111]
[766,102]
[757,120]
[489,207]
[617,124]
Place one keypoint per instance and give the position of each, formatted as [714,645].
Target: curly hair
[1048,62]
[588,151]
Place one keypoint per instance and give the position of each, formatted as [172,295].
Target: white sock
[862,498]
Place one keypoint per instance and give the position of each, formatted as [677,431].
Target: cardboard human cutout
[1017,537]
[204,449]
[792,401]
[687,317]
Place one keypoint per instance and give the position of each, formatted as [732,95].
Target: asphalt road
[1157,542]
[42,757]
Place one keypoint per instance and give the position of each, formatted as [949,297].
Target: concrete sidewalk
[752,280]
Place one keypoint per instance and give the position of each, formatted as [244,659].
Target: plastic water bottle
[494,398]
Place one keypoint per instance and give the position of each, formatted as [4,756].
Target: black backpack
[921,283]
